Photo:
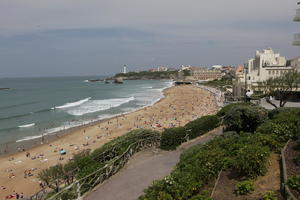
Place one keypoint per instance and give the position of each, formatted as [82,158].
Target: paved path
[268,106]
[142,169]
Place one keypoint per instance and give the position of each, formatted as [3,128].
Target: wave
[29,138]
[86,81]
[26,125]
[99,105]
[150,87]
[72,104]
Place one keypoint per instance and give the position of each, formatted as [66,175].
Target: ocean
[36,107]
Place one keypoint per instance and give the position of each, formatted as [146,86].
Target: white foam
[73,104]
[26,125]
[98,105]
[29,138]
[150,87]
[86,81]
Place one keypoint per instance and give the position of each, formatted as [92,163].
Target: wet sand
[180,105]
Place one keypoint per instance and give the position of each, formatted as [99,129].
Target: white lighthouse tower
[125,69]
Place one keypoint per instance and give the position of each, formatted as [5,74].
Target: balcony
[297,17]
[296,39]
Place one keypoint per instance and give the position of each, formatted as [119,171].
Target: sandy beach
[181,104]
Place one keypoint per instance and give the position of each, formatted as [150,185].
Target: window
[269,72]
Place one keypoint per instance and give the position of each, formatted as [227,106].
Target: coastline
[13,147]
[163,112]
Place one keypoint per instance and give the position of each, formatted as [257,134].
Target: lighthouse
[125,69]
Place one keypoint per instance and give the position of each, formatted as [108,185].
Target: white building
[265,65]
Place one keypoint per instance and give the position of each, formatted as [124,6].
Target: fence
[77,189]
[284,188]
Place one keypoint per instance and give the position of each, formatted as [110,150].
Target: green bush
[294,182]
[228,107]
[251,160]
[202,125]
[118,145]
[244,187]
[173,137]
[273,113]
[245,118]
[284,125]
[270,195]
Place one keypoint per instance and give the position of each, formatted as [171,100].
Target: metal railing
[284,188]
[77,189]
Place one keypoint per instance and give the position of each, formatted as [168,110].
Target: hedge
[228,107]
[173,137]
[202,125]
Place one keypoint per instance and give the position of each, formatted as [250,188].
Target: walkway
[268,106]
[142,169]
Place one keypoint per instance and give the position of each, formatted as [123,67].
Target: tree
[282,87]
[53,177]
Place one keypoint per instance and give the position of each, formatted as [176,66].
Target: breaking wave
[72,104]
[26,125]
[99,105]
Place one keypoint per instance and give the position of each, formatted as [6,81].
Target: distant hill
[146,75]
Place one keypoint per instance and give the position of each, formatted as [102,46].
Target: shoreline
[13,147]
[178,106]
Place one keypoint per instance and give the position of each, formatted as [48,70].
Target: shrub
[270,195]
[118,145]
[294,182]
[228,107]
[202,125]
[244,187]
[245,118]
[284,125]
[173,137]
[273,113]
[251,160]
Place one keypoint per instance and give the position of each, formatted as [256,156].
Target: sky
[98,37]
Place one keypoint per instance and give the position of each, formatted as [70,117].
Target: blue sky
[96,37]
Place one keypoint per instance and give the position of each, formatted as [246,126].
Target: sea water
[35,107]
